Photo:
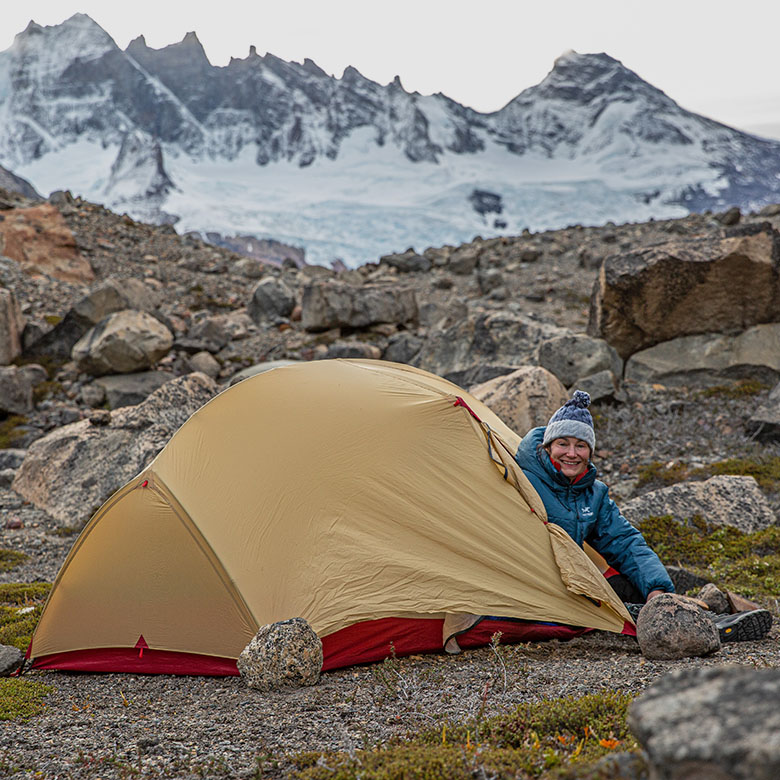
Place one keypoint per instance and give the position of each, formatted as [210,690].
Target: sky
[713,57]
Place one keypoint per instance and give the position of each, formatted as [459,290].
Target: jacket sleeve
[627,551]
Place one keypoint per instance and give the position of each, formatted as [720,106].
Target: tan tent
[347,492]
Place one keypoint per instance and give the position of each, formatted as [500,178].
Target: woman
[557,461]
[556,458]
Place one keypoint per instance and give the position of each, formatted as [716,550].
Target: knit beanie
[572,419]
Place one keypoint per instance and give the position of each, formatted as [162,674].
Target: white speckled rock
[671,627]
[287,654]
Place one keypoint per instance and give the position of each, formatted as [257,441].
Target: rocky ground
[123,725]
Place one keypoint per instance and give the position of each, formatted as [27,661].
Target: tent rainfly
[377,501]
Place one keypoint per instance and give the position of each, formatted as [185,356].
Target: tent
[377,501]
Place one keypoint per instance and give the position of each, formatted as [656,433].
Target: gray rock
[600,387]
[671,627]
[493,338]
[33,373]
[464,259]
[764,425]
[407,262]
[336,304]
[206,363]
[104,299]
[490,280]
[11,659]
[478,374]
[122,343]
[353,349]
[711,358]
[72,470]
[712,723]
[15,391]
[287,654]
[684,580]
[271,298]
[11,458]
[772,210]
[208,334]
[402,347]
[714,598]
[248,267]
[729,217]
[131,389]
[11,326]
[724,500]
[92,394]
[686,287]
[574,355]
[523,399]
[7,477]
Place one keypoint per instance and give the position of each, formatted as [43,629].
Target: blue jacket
[586,512]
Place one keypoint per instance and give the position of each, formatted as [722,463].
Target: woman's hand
[654,593]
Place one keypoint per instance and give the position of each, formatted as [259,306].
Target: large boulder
[523,399]
[572,356]
[328,305]
[39,239]
[122,343]
[685,287]
[131,389]
[492,338]
[672,626]
[271,298]
[718,723]
[15,391]
[11,325]
[287,654]
[11,658]
[710,358]
[764,424]
[723,500]
[71,471]
[103,299]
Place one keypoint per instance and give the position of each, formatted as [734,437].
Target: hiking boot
[633,610]
[743,626]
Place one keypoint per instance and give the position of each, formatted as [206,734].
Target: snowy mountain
[347,167]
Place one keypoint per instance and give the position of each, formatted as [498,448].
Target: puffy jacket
[587,513]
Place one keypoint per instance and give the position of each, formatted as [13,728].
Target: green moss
[765,470]
[744,388]
[10,559]
[553,739]
[747,563]
[53,319]
[16,628]
[10,431]
[21,698]
[662,474]
[46,389]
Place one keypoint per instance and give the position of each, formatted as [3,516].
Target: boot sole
[749,627]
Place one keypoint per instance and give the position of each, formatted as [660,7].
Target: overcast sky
[715,57]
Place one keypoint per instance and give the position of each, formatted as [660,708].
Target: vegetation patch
[20,609]
[10,559]
[46,389]
[747,563]
[21,697]
[551,739]
[660,474]
[11,430]
[744,388]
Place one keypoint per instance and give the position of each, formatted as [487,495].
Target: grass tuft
[21,698]
[10,559]
[16,627]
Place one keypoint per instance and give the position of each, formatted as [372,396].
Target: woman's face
[572,455]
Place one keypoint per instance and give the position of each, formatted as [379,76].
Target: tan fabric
[338,491]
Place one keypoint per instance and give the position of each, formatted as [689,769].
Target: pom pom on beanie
[572,419]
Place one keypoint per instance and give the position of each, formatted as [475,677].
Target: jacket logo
[586,512]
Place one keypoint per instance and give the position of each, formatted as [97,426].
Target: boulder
[102,300]
[672,626]
[122,343]
[271,299]
[353,349]
[492,338]
[72,470]
[402,347]
[523,399]
[11,458]
[206,363]
[39,239]
[600,386]
[723,500]
[206,334]
[764,424]
[574,355]
[463,259]
[714,598]
[407,262]
[686,287]
[131,389]
[287,654]
[11,326]
[11,658]
[718,723]
[328,305]
[15,391]
[709,359]
[92,394]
